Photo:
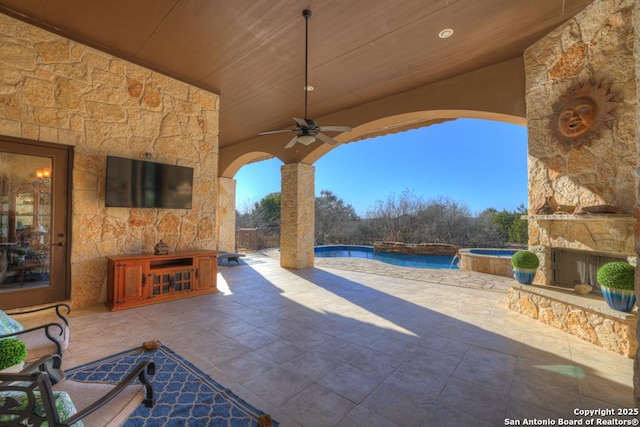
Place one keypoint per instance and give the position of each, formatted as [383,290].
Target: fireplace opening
[572,267]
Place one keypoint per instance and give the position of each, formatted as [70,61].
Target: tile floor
[365,344]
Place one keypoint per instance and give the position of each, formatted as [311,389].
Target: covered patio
[315,344]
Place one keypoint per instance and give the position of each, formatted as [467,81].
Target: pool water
[503,253]
[416,261]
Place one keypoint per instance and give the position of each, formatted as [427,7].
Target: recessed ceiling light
[308,88]
[446,33]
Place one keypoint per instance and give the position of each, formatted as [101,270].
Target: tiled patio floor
[361,343]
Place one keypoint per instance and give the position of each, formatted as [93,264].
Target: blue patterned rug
[185,396]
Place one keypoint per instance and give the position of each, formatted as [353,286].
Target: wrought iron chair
[45,330]
[41,393]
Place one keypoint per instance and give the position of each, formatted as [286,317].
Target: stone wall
[614,331]
[489,264]
[442,249]
[596,46]
[56,90]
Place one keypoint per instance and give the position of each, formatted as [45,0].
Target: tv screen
[143,184]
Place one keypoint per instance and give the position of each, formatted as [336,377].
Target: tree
[266,212]
[519,228]
[336,222]
[508,227]
[502,221]
[395,218]
[486,234]
[403,218]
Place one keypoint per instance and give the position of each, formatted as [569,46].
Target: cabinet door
[170,281]
[130,287]
[206,270]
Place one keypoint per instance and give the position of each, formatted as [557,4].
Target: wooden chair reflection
[24,264]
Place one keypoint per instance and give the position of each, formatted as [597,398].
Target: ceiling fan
[308,130]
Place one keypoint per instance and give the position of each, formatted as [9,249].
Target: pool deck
[450,277]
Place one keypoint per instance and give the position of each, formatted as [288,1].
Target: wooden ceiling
[251,52]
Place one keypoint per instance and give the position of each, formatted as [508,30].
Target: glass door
[33,223]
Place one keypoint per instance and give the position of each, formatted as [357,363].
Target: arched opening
[479,164]
[257,206]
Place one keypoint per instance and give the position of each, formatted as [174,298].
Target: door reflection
[25,221]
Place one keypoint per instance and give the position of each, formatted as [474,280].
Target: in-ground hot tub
[487,260]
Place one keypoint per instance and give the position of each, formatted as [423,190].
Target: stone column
[297,215]
[226,214]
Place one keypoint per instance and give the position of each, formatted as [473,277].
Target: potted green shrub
[525,263]
[616,281]
[13,352]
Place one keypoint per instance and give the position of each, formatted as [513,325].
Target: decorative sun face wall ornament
[581,114]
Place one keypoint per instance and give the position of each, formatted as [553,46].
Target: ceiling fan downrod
[307,14]
[307,129]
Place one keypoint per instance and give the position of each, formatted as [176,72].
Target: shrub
[618,275]
[12,352]
[525,259]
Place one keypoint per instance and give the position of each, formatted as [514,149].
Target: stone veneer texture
[227,214]
[297,229]
[613,333]
[500,266]
[56,90]
[596,45]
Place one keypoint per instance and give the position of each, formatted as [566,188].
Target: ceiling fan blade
[292,142]
[301,122]
[325,138]
[277,131]
[335,128]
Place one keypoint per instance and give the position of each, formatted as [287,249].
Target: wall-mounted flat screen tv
[142,184]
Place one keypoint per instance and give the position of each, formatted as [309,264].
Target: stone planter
[524,276]
[619,299]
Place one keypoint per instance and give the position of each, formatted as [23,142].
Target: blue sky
[478,163]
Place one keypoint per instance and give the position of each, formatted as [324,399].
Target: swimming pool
[416,261]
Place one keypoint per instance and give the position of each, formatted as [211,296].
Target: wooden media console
[143,279]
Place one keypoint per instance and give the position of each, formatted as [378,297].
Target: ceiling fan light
[306,139]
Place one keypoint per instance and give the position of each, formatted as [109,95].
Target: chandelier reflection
[43,176]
